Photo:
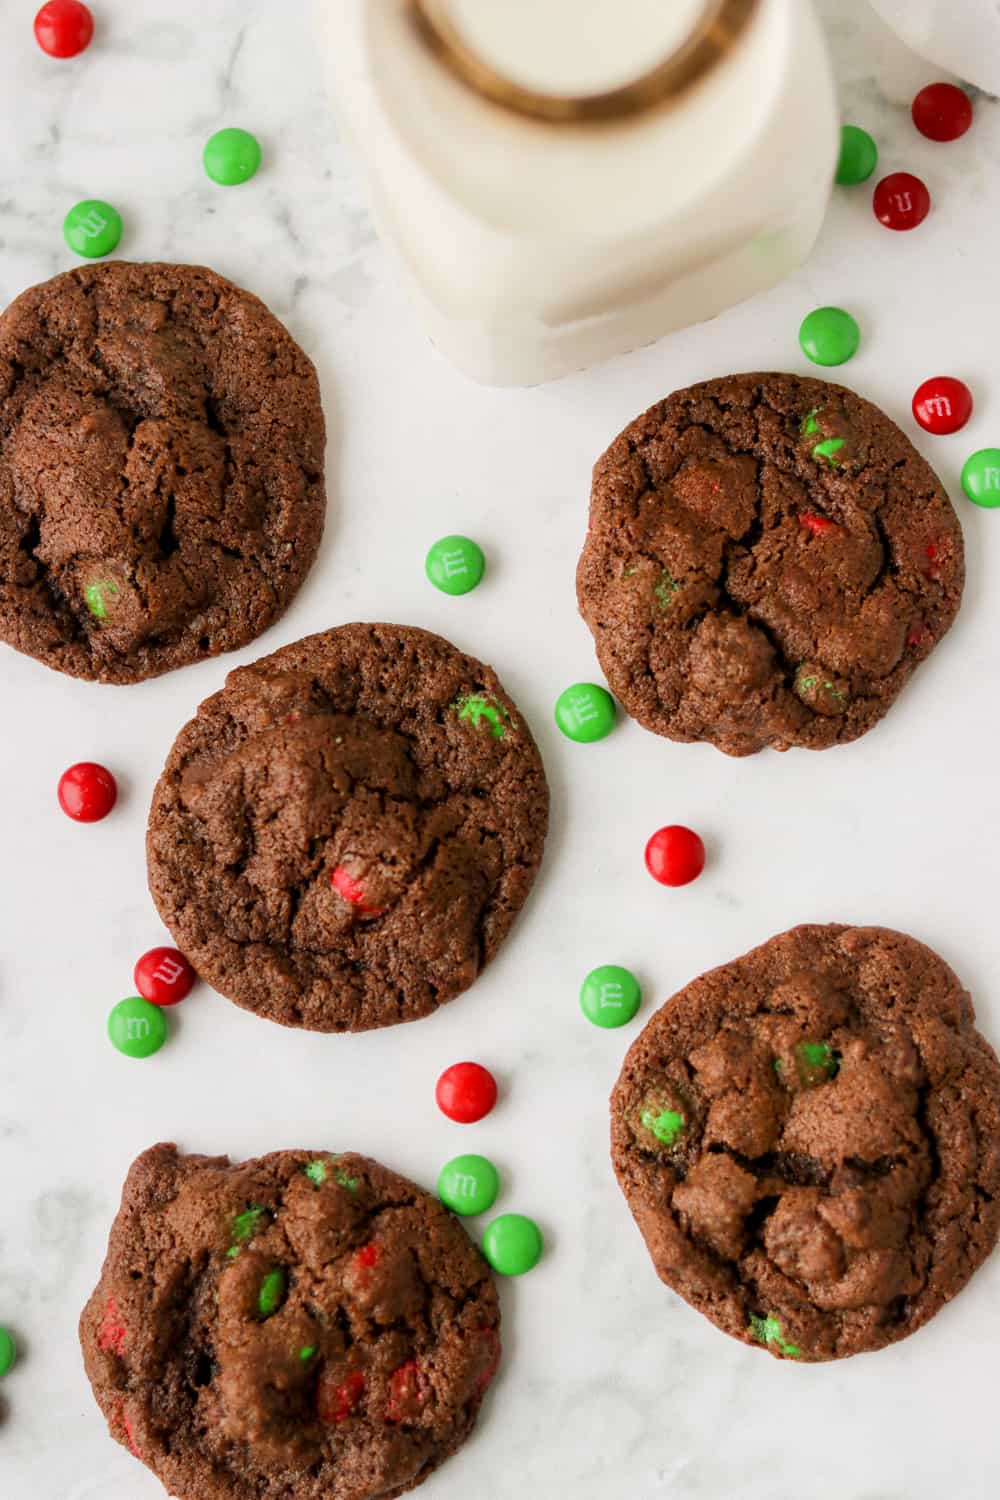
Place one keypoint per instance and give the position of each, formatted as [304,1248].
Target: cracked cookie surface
[769,559]
[343,836]
[161,469]
[304,1326]
[809,1141]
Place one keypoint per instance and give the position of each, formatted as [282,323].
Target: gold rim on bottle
[714,38]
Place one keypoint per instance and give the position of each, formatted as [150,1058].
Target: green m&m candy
[455,564]
[231,156]
[585,712]
[610,996]
[981,478]
[513,1244]
[858,156]
[8,1351]
[92,228]
[468,1184]
[137,1028]
[272,1292]
[829,336]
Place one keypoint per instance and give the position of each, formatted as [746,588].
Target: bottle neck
[567,61]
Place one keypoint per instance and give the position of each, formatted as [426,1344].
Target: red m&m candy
[63,28]
[675,855]
[901,201]
[87,792]
[466,1092]
[163,976]
[942,404]
[942,112]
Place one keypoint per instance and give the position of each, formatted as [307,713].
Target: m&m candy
[942,404]
[901,201]
[942,111]
[8,1351]
[455,565]
[585,712]
[981,478]
[92,228]
[675,855]
[137,1028]
[829,336]
[513,1244]
[466,1092]
[231,156]
[87,792]
[64,28]
[468,1184]
[163,976]
[610,996]
[858,156]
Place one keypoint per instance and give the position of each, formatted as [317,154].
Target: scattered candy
[818,525]
[942,112]
[231,156]
[466,1092]
[64,28]
[585,712]
[407,1393]
[112,1334]
[87,792]
[336,1398]
[513,1244]
[8,1351]
[901,201]
[942,404]
[468,1184]
[667,1125]
[675,855]
[981,478]
[610,996]
[272,1292]
[163,976]
[137,1028]
[829,336]
[92,228]
[455,565]
[476,709]
[858,155]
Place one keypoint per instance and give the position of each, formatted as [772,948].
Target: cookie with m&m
[809,1141]
[344,835]
[768,562]
[307,1314]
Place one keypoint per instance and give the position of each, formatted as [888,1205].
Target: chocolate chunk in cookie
[343,836]
[809,1140]
[295,1326]
[769,559]
[161,469]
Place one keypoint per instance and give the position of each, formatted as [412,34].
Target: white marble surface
[610,1386]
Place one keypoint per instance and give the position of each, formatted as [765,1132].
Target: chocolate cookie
[293,1327]
[161,469]
[769,559]
[809,1141]
[343,836]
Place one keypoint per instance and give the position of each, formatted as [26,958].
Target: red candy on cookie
[163,976]
[466,1092]
[942,112]
[87,792]
[351,890]
[942,404]
[64,28]
[675,855]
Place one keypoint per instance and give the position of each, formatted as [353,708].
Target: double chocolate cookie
[295,1327]
[161,469]
[769,559]
[809,1141]
[343,836]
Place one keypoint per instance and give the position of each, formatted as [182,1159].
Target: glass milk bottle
[961,36]
[564,180]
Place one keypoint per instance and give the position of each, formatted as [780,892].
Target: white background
[610,1386]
